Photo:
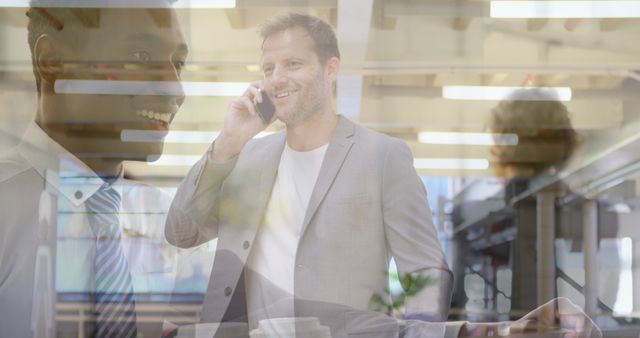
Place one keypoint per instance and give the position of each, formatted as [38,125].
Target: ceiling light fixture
[564,9]
[494,93]
[451,163]
[175,136]
[485,139]
[175,160]
[120,3]
[166,88]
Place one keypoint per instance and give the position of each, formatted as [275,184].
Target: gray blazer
[367,206]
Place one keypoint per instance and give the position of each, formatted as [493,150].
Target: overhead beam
[535,25]
[552,79]
[285,3]
[439,80]
[381,21]
[441,114]
[437,8]
[604,82]
[419,67]
[172,176]
[529,151]
[436,92]
[493,79]
[610,25]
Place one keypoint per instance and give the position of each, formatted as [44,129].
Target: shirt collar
[61,169]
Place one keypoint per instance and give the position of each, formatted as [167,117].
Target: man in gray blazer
[307,220]
[366,206]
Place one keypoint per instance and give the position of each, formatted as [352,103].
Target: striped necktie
[114,297]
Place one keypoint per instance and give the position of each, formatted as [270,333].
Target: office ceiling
[397,55]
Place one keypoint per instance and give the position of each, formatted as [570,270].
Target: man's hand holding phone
[242,122]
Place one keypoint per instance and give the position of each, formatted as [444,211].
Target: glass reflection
[531,199]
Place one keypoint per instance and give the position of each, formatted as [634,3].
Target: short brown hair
[322,34]
[63,24]
[541,122]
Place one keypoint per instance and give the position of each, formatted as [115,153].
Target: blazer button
[227,291]
[245,245]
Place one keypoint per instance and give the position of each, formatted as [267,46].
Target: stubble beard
[302,112]
[307,106]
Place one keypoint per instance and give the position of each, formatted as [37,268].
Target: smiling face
[143,45]
[299,84]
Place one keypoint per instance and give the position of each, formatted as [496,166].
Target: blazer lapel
[339,147]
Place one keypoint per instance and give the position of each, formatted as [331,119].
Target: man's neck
[104,168]
[312,133]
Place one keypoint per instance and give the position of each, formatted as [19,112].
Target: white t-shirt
[269,279]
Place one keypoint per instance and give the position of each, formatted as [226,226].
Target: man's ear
[332,68]
[47,59]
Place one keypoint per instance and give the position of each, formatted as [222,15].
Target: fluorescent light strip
[451,163]
[418,163]
[175,136]
[565,9]
[162,88]
[134,135]
[489,93]
[175,160]
[468,138]
[204,4]
[120,3]
[180,136]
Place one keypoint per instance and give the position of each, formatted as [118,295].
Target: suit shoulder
[11,165]
[363,133]
[263,142]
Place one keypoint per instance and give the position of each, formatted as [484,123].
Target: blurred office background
[430,72]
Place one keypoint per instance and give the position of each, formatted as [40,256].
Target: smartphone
[265,109]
